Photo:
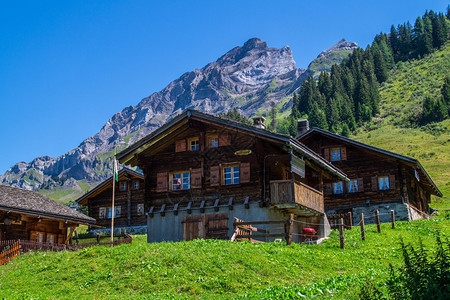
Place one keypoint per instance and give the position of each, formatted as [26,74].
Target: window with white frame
[231,175]
[193,144]
[383,182]
[353,186]
[338,187]
[181,180]
[213,141]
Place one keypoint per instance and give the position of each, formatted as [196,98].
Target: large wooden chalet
[128,203]
[379,179]
[27,215]
[202,171]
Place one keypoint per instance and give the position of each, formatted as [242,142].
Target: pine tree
[445,92]
[295,113]
[381,70]
[387,53]
[332,114]
[317,117]
[345,130]
[273,114]
[393,41]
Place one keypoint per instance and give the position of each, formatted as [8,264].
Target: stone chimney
[259,122]
[302,126]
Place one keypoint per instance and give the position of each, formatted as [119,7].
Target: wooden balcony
[296,197]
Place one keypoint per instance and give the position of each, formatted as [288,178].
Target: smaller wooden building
[379,179]
[27,215]
[128,203]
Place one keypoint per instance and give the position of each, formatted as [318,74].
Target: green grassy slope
[401,100]
[214,269]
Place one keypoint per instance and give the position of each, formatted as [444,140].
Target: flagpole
[114,190]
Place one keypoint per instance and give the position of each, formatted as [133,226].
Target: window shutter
[161,182]
[392,182]
[244,172]
[343,153]
[326,153]
[196,178]
[118,210]
[215,176]
[360,185]
[374,183]
[224,140]
[328,188]
[180,145]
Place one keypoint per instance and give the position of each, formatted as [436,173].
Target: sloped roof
[127,156]
[402,158]
[23,201]
[108,184]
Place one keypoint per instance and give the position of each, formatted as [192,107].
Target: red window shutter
[196,178]
[161,182]
[392,182]
[374,183]
[360,185]
[326,153]
[215,176]
[328,188]
[343,153]
[180,145]
[224,140]
[244,172]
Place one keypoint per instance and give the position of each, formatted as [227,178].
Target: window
[353,186]
[123,186]
[118,212]
[181,181]
[231,175]
[140,209]
[338,187]
[193,144]
[335,154]
[213,141]
[108,212]
[51,238]
[383,182]
[136,185]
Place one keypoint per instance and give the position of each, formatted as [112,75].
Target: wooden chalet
[379,179]
[128,203]
[27,215]
[202,171]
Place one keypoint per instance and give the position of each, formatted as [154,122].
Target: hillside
[216,269]
[401,99]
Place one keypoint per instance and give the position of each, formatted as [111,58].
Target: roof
[405,159]
[127,156]
[108,184]
[29,202]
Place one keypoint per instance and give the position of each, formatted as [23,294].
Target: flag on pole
[116,172]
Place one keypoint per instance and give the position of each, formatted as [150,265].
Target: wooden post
[98,238]
[377,219]
[393,219]
[363,229]
[350,221]
[289,228]
[341,233]
[77,241]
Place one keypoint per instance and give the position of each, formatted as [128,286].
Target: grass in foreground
[215,269]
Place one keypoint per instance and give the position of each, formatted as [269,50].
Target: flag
[116,172]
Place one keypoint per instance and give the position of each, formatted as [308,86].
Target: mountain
[248,77]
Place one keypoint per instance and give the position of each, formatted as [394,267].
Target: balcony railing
[287,191]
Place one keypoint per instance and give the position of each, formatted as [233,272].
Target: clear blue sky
[67,66]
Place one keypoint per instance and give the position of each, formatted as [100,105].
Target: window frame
[353,186]
[336,150]
[340,185]
[232,174]
[211,138]
[123,183]
[138,185]
[383,183]
[182,183]
[197,144]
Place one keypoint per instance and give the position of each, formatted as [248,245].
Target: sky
[67,66]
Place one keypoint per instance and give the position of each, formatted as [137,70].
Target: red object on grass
[309,231]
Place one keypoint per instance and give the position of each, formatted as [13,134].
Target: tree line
[349,95]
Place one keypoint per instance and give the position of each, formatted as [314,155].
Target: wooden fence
[12,248]
[246,231]
[334,220]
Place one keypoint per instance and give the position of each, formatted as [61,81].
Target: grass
[214,269]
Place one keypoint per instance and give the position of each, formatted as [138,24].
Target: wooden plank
[70,234]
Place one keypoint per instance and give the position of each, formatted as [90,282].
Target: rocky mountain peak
[341,45]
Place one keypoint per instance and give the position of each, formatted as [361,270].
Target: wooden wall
[104,199]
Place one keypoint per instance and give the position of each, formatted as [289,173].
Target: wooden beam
[70,234]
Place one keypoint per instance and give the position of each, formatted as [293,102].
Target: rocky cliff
[249,78]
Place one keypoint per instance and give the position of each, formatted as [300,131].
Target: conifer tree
[295,113]
[381,70]
[445,92]
[345,130]
[317,117]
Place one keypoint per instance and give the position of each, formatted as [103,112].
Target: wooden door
[216,226]
[193,228]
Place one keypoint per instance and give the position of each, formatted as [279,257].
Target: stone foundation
[120,230]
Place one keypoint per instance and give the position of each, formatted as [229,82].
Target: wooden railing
[9,252]
[286,191]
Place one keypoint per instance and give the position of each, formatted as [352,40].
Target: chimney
[302,126]
[259,122]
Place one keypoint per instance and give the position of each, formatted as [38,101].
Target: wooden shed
[27,215]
